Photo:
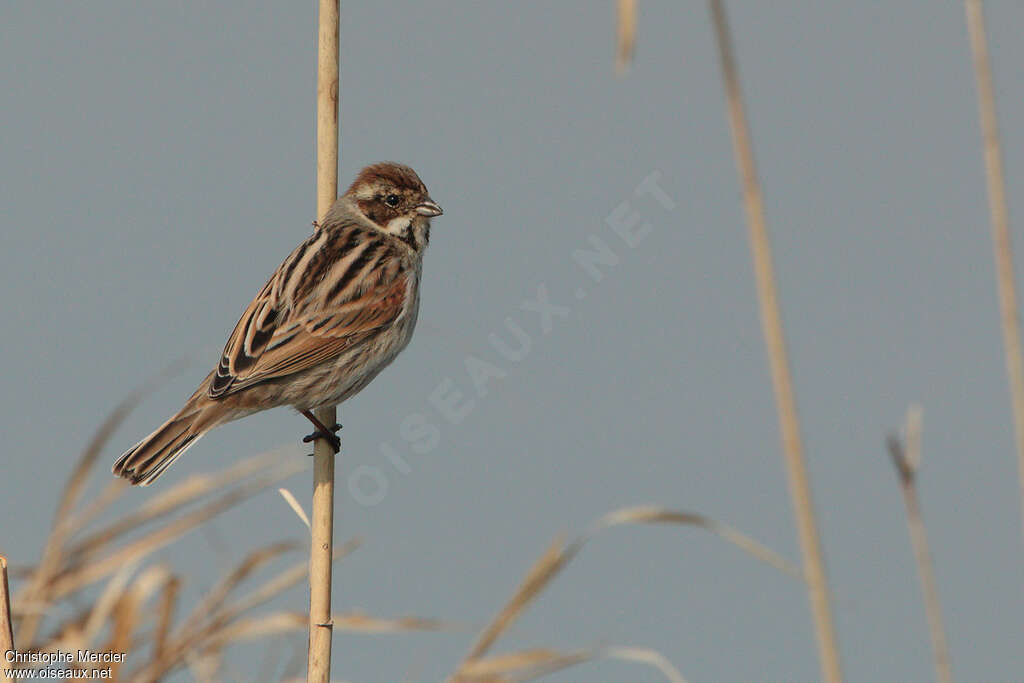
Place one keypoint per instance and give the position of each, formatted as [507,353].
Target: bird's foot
[328,434]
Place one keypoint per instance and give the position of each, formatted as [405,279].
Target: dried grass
[529,664]
[95,586]
[100,590]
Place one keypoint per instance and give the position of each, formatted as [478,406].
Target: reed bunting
[332,316]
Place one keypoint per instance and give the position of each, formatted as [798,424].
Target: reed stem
[771,325]
[322,529]
[1002,247]
[6,628]
[907,458]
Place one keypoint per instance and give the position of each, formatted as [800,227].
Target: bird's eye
[391,200]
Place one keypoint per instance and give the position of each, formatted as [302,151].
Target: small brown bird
[332,316]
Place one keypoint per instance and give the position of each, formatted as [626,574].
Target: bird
[334,314]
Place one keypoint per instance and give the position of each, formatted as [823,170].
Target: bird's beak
[428,208]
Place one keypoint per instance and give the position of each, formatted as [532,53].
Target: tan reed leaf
[514,666]
[359,622]
[295,506]
[626,36]
[257,627]
[650,514]
[644,655]
[914,426]
[168,602]
[126,616]
[546,568]
[356,622]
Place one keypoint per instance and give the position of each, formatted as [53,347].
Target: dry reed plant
[6,627]
[58,606]
[1002,246]
[96,586]
[771,325]
[100,590]
[526,665]
[906,456]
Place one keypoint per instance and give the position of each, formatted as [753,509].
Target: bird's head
[394,199]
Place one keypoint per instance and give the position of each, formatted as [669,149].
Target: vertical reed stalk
[907,458]
[6,629]
[321,547]
[1001,245]
[626,36]
[771,324]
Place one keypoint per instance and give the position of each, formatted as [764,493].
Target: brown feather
[299,338]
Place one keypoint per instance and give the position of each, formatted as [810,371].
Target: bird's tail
[149,458]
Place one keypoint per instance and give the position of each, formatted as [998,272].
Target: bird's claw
[330,436]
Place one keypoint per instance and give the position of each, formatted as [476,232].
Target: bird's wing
[316,306]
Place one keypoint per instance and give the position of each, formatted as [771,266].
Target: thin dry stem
[6,629]
[1002,246]
[321,547]
[771,324]
[907,461]
[625,36]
